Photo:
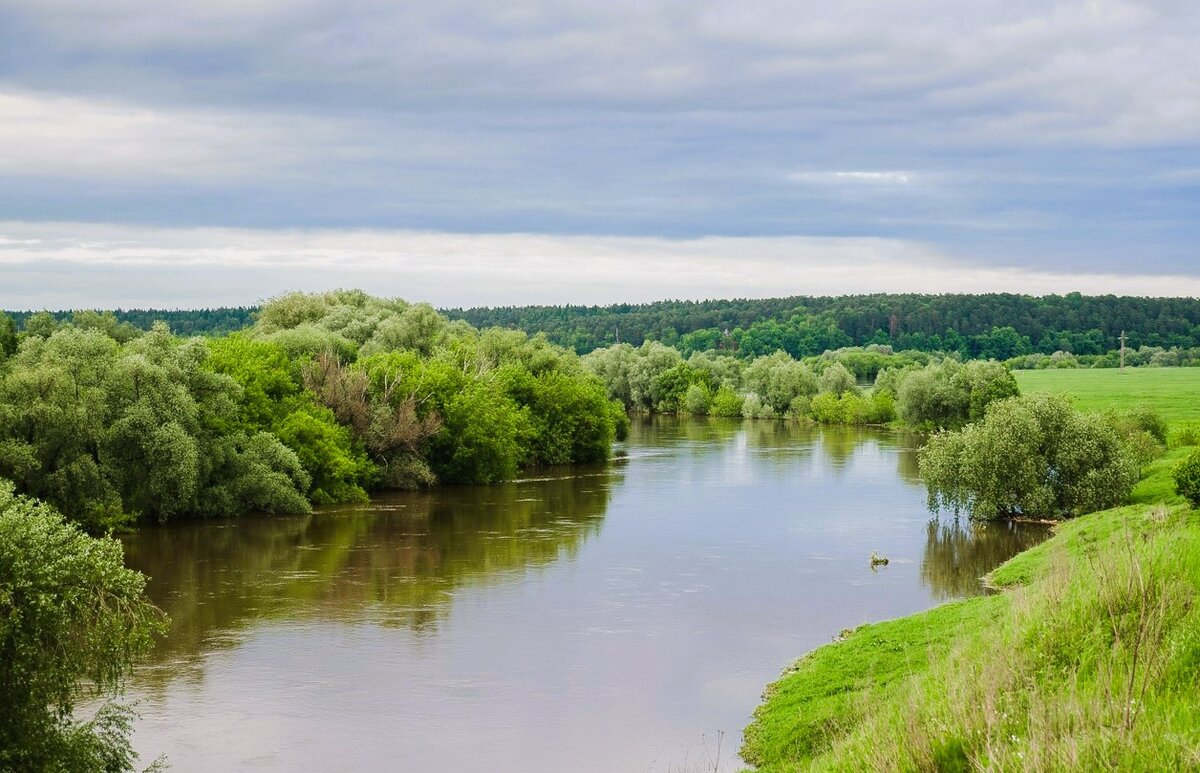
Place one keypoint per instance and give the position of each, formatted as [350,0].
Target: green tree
[726,402]
[984,382]
[481,442]
[41,324]
[837,379]
[73,620]
[8,337]
[1031,456]
[1187,478]
[777,380]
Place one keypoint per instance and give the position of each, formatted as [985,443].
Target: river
[623,617]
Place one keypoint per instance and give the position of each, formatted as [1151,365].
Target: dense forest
[993,326]
[184,322]
[999,326]
[324,398]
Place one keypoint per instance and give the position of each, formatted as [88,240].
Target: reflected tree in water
[397,561]
[958,552]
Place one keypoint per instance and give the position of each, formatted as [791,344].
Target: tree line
[991,326]
[184,322]
[326,397]
[997,326]
[854,385]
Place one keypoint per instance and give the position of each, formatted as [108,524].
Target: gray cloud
[73,265]
[1047,136]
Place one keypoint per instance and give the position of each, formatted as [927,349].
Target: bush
[696,400]
[754,408]
[926,397]
[1187,478]
[837,379]
[1031,456]
[726,402]
[1149,421]
[1187,435]
[72,618]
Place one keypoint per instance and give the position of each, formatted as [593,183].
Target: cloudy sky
[467,152]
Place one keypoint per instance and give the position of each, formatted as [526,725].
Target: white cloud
[67,265]
[892,177]
[56,136]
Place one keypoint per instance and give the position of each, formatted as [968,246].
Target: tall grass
[1095,665]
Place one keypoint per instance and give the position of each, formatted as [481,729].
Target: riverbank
[1087,659]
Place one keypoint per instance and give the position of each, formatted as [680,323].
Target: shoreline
[851,703]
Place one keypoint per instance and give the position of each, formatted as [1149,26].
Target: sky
[465,152]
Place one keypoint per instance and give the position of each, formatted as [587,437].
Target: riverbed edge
[830,695]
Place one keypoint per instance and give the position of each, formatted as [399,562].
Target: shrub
[1187,478]
[1031,456]
[777,380]
[1187,435]
[696,400]
[926,398]
[726,402]
[1149,421]
[754,408]
[837,379]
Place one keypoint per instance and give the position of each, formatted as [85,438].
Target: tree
[73,620]
[837,379]
[778,380]
[8,337]
[984,382]
[1187,478]
[1031,456]
[928,398]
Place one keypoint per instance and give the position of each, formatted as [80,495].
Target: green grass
[825,693]
[1173,392]
[1089,659]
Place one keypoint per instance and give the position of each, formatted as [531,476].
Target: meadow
[1173,392]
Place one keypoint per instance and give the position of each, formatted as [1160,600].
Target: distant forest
[995,325]
[184,322]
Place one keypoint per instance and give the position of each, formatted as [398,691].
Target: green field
[1173,392]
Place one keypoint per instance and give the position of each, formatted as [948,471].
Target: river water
[623,617]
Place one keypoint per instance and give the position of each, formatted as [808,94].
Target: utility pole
[1122,351]
[618,328]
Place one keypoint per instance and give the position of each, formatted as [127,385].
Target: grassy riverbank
[1089,659]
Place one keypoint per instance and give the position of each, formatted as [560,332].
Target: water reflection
[398,560]
[589,620]
[959,552]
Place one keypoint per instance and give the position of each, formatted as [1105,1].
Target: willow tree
[73,620]
[1032,456]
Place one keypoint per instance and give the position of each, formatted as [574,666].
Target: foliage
[1030,456]
[1088,662]
[837,379]
[930,398]
[996,325]
[325,397]
[725,402]
[777,380]
[72,622]
[1187,478]
[949,394]
[853,408]
[8,337]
